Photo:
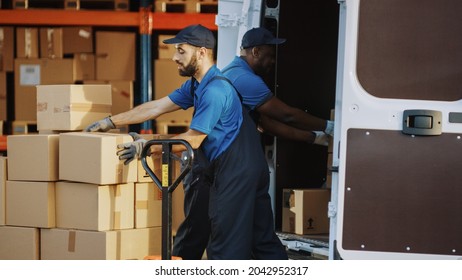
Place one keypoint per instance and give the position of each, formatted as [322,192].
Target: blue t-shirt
[218,111]
[252,88]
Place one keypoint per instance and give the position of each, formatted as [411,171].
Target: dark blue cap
[259,36]
[196,35]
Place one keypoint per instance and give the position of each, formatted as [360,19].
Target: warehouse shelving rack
[145,19]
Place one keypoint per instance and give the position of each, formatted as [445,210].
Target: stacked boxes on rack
[64,194]
[62,55]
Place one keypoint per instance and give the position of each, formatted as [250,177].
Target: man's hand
[101,126]
[131,150]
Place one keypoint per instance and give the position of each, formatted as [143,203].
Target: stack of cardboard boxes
[64,194]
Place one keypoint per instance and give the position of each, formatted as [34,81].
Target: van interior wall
[305,78]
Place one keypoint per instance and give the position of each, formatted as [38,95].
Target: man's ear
[255,51]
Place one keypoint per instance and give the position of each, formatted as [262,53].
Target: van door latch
[422,122]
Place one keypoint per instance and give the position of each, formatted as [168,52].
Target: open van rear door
[398,139]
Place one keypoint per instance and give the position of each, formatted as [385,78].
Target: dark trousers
[237,222]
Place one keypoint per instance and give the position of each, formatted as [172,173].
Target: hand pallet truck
[166,186]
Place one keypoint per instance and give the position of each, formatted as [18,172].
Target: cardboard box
[33,157]
[165,51]
[71,107]
[95,207]
[166,80]
[115,55]
[51,42]
[19,243]
[30,204]
[27,42]
[122,94]
[304,211]
[3,97]
[91,158]
[148,205]
[127,244]
[32,72]
[84,66]
[3,179]
[77,39]
[6,48]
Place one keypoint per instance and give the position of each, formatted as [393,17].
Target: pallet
[187,6]
[110,5]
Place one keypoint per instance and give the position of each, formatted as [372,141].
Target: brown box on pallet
[3,179]
[6,48]
[71,107]
[115,55]
[19,243]
[51,42]
[166,80]
[148,205]
[84,66]
[122,94]
[77,39]
[30,204]
[95,207]
[33,157]
[91,158]
[126,244]
[304,211]
[32,72]
[27,42]
[3,97]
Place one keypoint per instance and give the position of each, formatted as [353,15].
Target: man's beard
[190,69]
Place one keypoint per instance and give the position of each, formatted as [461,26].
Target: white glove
[100,126]
[330,128]
[131,150]
[322,138]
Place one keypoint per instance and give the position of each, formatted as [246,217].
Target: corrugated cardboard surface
[91,158]
[127,244]
[95,207]
[3,97]
[51,42]
[77,39]
[30,204]
[27,42]
[115,61]
[71,107]
[148,205]
[305,211]
[3,178]
[7,48]
[122,94]
[33,157]
[32,72]
[19,243]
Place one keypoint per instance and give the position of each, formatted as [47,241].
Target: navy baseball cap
[196,35]
[259,36]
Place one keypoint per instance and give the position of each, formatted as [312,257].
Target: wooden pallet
[186,6]
[110,5]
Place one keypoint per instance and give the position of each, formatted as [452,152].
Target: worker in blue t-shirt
[246,72]
[229,161]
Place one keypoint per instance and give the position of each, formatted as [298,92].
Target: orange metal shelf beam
[171,21]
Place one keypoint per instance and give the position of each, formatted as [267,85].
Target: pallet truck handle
[165,186]
[166,150]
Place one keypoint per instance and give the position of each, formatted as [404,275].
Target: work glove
[330,128]
[131,150]
[100,126]
[322,138]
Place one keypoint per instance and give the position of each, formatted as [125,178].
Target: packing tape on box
[95,108]
[141,204]
[71,241]
[117,217]
[120,165]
